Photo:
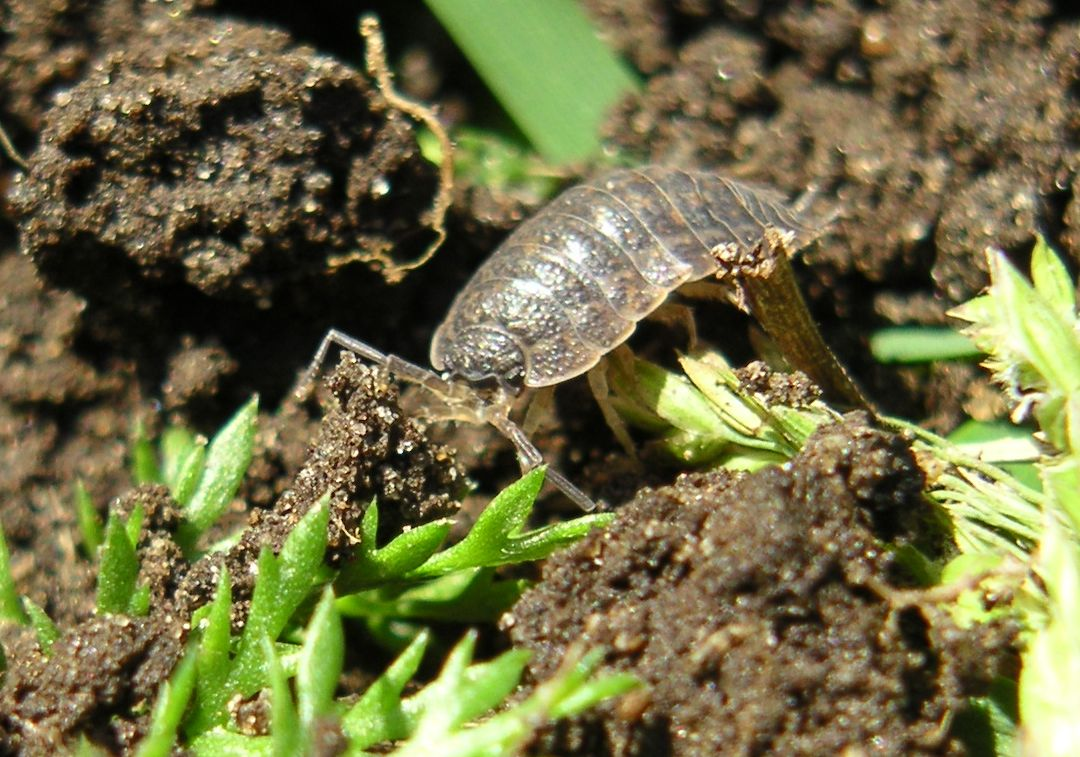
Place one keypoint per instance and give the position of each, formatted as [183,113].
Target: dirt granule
[757,610]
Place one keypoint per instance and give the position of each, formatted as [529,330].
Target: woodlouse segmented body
[571,283]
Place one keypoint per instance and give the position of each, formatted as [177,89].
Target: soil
[208,185]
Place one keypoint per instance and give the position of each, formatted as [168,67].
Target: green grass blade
[1051,279]
[545,64]
[212,663]
[93,533]
[285,732]
[321,659]
[378,717]
[282,584]
[921,344]
[144,468]
[497,539]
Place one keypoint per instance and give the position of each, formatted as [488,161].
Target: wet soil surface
[209,183]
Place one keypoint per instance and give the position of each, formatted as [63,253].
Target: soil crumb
[762,613]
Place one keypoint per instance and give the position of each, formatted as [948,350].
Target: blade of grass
[545,64]
[320,662]
[921,344]
[169,710]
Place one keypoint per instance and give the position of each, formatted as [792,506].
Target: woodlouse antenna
[458,395]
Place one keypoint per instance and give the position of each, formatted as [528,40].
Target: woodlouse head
[477,354]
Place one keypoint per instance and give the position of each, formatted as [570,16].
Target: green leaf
[1051,280]
[169,710]
[477,688]
[283,583]
[227,460]
[1047,341]
[285,732]
[497,537]
[212,662]
[93,533]
[320,663]
[175,445]
[222,743]
[988,727]
[139,606]
[1049,695]
[46,631]
[547,66]
[118,569]
[191,470]
[921,344]
[568,692]
[371,566]
[133,524]
[466,596]
[378,715]
[11,609]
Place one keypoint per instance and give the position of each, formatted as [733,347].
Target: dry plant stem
[772,296]
[435,217]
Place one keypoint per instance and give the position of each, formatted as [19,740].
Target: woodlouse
[571,283]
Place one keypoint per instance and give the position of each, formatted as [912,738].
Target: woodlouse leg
[529,458]
[495,413]
[540,410]
[401,368]
[602,394]
[9,149]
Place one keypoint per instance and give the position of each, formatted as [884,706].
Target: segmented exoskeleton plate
[571,283]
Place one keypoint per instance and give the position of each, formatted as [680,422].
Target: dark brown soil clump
[761,613]
[220,155]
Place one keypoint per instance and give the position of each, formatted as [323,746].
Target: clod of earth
[222,156]
[761,613]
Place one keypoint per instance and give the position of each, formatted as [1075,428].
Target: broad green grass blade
[545,64]
[921,344]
